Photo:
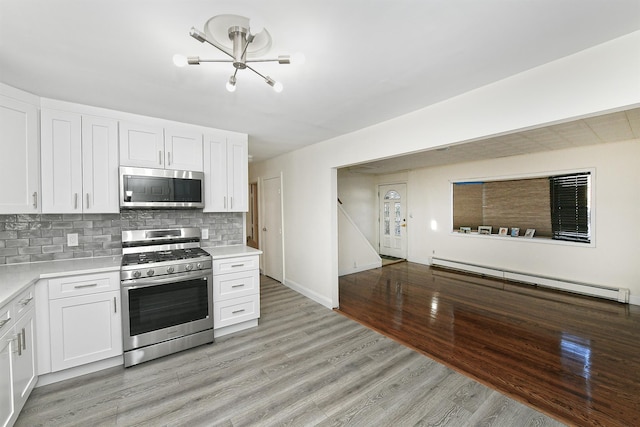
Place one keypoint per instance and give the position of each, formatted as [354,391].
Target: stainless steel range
[167,293]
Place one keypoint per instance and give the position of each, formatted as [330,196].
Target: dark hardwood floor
[574,358]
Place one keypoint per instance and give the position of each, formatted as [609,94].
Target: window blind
[570,216]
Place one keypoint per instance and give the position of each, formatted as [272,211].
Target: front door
[272,229]
[393,224]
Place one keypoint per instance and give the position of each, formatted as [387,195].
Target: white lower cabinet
[236,293]
[84,320]
[17,355]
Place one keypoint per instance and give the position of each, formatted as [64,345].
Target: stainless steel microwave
[160,188]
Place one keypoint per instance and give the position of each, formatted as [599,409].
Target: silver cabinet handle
[24,340]
[19,345]
[35,199]
[168,157]
[237,286]
[160,157]
[231,204]
[115,306]
[237,311]
[75,200]
[87,201]
[25,301]
[4,322]
[90,285]
[237,265]
[225,202]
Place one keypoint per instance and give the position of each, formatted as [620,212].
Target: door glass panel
[387,227]
[392,195]
[397,218]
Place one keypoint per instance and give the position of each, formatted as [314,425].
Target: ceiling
[366,60]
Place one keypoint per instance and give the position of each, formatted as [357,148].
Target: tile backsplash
[43,237]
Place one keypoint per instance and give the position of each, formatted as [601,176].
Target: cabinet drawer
[234,285]
[83,285]
[237,310]
[232,265]
[7,318]
[23,302]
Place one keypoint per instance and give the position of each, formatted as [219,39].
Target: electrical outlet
[205,233]
[72,239]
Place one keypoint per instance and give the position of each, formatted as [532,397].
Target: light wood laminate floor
[303,365]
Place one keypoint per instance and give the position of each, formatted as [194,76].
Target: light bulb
[256,25]
[231,84]
[179,60]
[297,58]
[278,87]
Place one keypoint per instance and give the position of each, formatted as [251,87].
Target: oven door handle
[171,278]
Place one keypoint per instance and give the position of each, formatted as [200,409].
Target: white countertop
[16,277]
[221,252]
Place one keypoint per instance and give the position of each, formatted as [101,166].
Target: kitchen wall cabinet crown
[79,163]
[17,355]
[19,145]
[226,166]
[155,147]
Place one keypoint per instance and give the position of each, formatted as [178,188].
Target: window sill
[534,240]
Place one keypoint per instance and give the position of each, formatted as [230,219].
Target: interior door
[272,229]
[252,217]
[393,223]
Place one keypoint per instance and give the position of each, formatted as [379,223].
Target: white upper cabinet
[141,146]
[79,163]
[155,147]
[20,156]
[226,170]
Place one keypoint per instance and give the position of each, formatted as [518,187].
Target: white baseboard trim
[359,268]
[616,294]
[320,299]
[634,299]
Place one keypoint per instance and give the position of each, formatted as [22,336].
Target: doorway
[392,220]
[253,236]
[272,246]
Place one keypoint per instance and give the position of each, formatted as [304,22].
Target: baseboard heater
[616,294]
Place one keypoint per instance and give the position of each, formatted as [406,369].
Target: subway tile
[72,217]
[102,252]
[17,243]
[30,250]
[83,254]
[61,224]
[40,241]
[8,218]
[52,233]
[42,257]
[8,251]
[16,225]
[63,255]
[8,234]
[47,249]
[82,224]
[58,240]
[29,233]
[106,238]
[18,259]
[51,217]
[92,246]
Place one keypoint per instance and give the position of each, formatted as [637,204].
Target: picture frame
[529,233]
[503,231]
[485,229]
[465,230]
[515,232]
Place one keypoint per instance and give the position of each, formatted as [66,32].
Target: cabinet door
[24,362]
[100,165]
[215,174]
[141,145]
[84,329]
[238,173]
[20,159]
[7,408]
[183,150]
[61,159]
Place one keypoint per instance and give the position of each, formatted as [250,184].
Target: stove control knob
[150,272]
[170,270]
[199,265]
[188,267]
[136,274]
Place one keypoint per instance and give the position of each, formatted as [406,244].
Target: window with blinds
[570,202]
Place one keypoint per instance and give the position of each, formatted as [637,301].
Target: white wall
[597,80]
[611,261]
[359,197]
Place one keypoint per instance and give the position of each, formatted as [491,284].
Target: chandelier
[242,41]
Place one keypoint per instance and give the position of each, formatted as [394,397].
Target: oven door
[160,309]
